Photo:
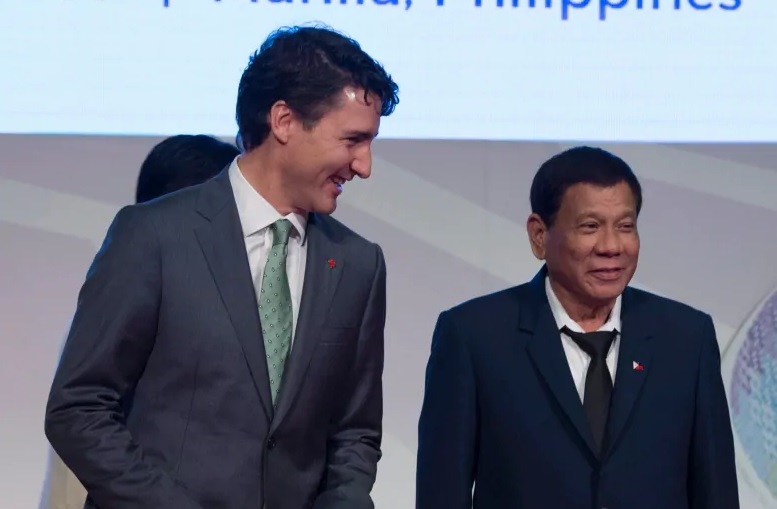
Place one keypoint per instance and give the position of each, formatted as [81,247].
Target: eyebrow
[631,214]
[365,135]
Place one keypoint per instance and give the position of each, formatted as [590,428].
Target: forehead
[354,110]
[590,198]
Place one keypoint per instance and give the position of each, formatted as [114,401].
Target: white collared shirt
[579,360]
[256,217]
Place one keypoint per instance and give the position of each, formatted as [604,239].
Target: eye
[627,226]
[352,141]
[589,226]
[355,136]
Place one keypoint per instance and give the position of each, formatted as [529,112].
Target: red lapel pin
[637,366]
[331,263]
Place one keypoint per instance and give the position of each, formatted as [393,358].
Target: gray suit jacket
[161,399]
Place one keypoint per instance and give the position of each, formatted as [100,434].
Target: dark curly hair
[306,67]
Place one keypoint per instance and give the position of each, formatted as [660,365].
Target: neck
[262,170]
[590,316]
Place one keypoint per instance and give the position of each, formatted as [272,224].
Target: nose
[361,164]
[609,243]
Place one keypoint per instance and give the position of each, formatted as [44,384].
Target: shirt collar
[564,320]
[255,212]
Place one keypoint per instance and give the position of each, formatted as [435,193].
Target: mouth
[609,274]
[337,180]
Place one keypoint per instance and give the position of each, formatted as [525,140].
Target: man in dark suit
[520,401]
[227,348]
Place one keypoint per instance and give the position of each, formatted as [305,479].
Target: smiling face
[321,158]
[592,247]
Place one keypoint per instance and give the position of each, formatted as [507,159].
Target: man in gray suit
[174,163]
[227,348]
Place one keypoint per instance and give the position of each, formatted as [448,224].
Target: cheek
[631,247]
[571,260]
[335,160]
[580,251]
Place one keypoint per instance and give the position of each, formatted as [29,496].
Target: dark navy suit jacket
[501,412]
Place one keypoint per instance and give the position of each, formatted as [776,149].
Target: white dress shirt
[579,360]
[256,217]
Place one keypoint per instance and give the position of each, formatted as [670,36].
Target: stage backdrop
[708,234]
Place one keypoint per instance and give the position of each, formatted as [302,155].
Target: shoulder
[664,309]
[491,306]
[675,324]
[359,249]
[168,215]
[340,233]
[174,202]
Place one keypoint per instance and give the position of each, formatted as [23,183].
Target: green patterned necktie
[275,308]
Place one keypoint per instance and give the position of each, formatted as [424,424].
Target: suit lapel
[547,353]
[221,240]
[635,346]
[320,283]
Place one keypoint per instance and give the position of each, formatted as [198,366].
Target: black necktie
[598,382]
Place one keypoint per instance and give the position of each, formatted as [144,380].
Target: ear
[281,119]
[537,231]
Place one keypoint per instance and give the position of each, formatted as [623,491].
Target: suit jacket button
[271,444]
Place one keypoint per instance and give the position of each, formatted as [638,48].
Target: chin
[326,207]
[608,292]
